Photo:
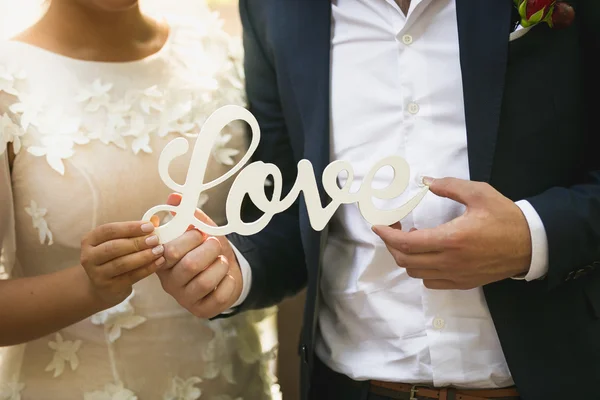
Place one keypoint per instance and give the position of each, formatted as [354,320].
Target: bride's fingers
[113,249]
[128,263]
[117,230]
[213,304]
[132,277]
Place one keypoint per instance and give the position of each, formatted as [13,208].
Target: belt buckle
[413,392]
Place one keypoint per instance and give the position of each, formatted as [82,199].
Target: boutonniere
[557,14]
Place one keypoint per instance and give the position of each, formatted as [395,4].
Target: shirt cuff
[539,243]
[246,278]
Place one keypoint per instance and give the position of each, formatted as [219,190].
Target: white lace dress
[88,136]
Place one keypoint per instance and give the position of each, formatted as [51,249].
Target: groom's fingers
[217,301]
[207,281]
[413,242]
[174,199]
[195,260]
[178,248]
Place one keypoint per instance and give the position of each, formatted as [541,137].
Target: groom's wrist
[246,273]
[538,267]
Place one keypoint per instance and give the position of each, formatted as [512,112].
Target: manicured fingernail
[152,241]
[160,261]
[427,180]
[158,250]
[148,227]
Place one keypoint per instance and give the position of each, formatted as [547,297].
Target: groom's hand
[201,272]
[490,242]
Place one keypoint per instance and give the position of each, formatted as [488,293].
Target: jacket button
[304,353]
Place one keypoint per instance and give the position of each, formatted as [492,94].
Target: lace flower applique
[65,351]
[8,77]
[270,386]
[223,154]
[172,119]
[10,133]
[30,108]
[152,99]
[184,389]
[115,319]
[55,149]
[11,390]
[39,222]
[58,133]
[111,392]
[215,354]
[95,96]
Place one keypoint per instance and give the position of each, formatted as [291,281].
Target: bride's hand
[117,255]
[201,272]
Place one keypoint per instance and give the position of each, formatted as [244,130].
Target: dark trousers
[330,385]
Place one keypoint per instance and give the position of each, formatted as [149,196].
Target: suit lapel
[483,29]
[310,76]
[307,39]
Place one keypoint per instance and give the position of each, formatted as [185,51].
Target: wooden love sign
[251,179]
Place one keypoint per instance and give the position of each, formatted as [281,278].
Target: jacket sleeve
[571,215]
[275,254]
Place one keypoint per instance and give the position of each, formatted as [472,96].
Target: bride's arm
[113,258]
[34,307]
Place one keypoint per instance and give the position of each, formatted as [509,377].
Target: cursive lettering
[250,181]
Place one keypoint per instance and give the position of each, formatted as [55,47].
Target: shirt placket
[438,327]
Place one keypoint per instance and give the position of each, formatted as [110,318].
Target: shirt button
[407,39]
[439,323]
[413,108]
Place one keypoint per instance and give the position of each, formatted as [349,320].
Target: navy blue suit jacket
[533,133]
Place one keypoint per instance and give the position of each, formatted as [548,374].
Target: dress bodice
[87,138]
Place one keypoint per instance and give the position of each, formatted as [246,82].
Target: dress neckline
[157,54]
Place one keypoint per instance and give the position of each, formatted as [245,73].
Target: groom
[491,287]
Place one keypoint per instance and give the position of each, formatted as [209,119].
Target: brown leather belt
[412,392]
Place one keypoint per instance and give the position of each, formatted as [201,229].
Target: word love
[250,181]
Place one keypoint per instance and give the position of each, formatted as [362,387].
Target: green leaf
[523,14]
[537,17]
[548,18]
[523,9]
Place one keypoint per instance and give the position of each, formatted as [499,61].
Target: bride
[89,96]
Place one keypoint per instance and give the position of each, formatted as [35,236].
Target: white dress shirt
[396,89]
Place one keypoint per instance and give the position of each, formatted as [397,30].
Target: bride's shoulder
[13,64]
[203,48]
[205,34]
[11,52]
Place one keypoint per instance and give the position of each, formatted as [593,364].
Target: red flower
[555,13]
[534,6]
